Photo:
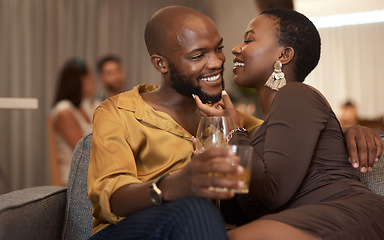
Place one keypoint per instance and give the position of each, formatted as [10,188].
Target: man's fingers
[372,152]
[379,145]
[210,194]
[217,152]
[207,186]
[352,150]
[363,153]
[222,165]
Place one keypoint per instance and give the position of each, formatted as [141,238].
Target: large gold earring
[277,78]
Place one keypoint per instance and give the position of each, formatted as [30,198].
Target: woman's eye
[247,41]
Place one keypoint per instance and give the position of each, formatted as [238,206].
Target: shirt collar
[132,101]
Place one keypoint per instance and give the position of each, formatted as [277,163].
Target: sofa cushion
[375,180]
[32,213]
[78,212]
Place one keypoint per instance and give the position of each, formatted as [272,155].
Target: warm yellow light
[348,19]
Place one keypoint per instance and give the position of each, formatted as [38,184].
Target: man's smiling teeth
[239,64]
[211,79]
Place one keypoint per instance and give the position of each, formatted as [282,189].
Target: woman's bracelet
[239,129]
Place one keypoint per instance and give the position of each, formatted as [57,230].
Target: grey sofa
[65,213]
[51,212]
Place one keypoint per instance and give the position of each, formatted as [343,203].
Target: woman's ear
[160,63]
[287,55]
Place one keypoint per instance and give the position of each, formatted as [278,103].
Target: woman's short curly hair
[297,31]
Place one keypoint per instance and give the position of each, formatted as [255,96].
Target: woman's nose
[237,50]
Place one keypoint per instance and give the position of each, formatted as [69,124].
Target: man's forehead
[197,35]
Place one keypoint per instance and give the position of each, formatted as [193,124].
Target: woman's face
[256,55]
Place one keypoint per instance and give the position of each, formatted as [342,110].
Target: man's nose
[215,61]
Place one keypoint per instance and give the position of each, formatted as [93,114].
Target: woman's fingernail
[240,169]
[370,169]
[224,92]
[193,95]
[363,170]
[240,184]
[377,159]
[355,165]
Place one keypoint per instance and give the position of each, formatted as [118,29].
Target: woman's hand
[364,147]
[194,143]
[216,109]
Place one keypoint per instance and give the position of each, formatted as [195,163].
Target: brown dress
[301,174]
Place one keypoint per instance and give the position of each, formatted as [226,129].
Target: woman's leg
[270,230]
[186,219]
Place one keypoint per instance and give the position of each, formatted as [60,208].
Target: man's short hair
[105,59]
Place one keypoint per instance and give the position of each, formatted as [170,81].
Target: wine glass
[212,132]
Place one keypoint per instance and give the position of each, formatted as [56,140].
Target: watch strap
[155,192]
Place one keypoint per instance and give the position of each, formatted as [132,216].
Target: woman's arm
[68,127]
[364,145]
[296,119]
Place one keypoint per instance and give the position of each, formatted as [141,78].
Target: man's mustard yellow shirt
[133,143]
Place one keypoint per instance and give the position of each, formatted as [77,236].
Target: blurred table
[19,103]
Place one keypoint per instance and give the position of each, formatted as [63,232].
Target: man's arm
[192,181]
[365,147]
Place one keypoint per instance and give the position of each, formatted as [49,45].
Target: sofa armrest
[33,213]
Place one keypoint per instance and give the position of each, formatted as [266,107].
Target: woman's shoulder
[301,93]
[296,87]
[301,90]
[61,106]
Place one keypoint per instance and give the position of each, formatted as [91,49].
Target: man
[111,75]
[144,134]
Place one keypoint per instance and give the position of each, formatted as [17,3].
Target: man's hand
[205,170]
[364,147]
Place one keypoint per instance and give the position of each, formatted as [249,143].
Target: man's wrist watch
[155,192]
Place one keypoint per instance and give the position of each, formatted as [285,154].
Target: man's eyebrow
[221,42]
[203,49]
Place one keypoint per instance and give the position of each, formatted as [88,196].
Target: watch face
[155,196]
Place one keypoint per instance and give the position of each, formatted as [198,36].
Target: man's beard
[113,88]
[185,86]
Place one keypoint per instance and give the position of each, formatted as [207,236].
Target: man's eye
[219,49]
[196,57]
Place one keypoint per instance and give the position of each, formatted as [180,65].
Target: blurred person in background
[111,76]
[73,110]
[348,116]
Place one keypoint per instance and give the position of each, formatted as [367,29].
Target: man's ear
[287,55]
[160,63]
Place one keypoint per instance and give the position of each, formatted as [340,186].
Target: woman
[302,185]
[73,109]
